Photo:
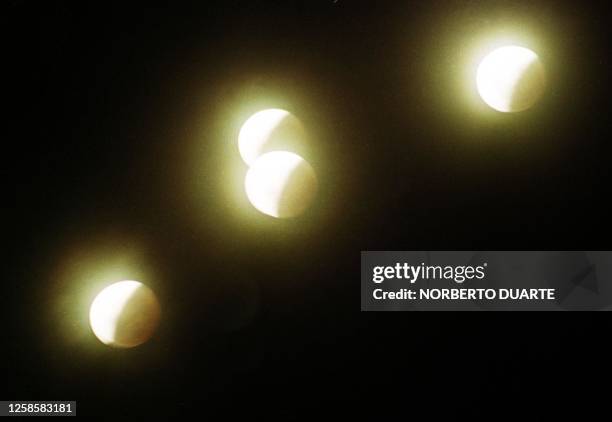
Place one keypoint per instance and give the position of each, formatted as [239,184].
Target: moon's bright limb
[511,79]
[270,130]
[124,314]
[281,184]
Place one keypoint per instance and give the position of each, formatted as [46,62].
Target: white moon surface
[511,79]
[281,184]
[124,314]
[270,130]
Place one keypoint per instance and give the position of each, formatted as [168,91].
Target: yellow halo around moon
[270,130]
[124,314]
[511,79]
[281,184]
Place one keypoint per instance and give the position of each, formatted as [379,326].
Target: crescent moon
[281,184]
[270,130]
[511,79]
[124,314]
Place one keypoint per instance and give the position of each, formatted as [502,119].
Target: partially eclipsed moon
[270,130]
[124,314]
[281,184]
[511,79]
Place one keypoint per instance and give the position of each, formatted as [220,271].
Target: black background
[121,129]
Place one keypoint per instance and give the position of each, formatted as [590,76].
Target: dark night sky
[122,123]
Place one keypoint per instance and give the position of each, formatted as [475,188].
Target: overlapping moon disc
[511,79]
[124,314]
[270,130]
[281,184]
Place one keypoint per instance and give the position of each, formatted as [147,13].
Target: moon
[270,130]
[511,79]
[124,314]
[281,184]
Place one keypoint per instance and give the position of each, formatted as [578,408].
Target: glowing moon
[124,314]
[281,184]
[270,130]
[511,79]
